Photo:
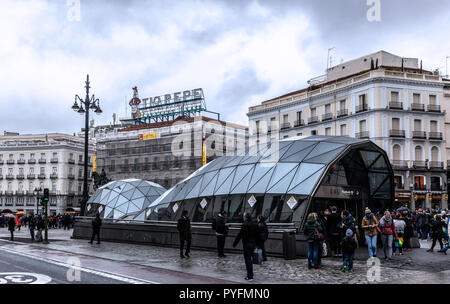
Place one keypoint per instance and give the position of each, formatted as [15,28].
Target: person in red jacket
[386,227]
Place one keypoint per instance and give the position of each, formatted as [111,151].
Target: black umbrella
[402,209]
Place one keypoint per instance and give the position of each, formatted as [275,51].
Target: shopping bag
[400,242]
[324,250]
[397,244]
[257,256]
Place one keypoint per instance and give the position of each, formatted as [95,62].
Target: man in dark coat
[221,228]
[12,226]
[96,224]
[249,234]
[32,225]
[334,231]
[184,229]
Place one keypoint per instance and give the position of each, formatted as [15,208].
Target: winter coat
[221,228]
[184,228]
[349,223]
[249,233]
[11,224]
[263,232]
[333,224]
[349,245]
[96,224]
[400,225]
[437,228]
[387,227]
[310,227]
[372,220]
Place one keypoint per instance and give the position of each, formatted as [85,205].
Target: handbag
[324,249]
[257,256]
[318,235]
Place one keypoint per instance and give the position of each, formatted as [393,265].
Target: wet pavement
[416,266]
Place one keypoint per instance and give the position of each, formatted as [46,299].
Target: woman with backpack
[386,227]
[263,236]
[314,235]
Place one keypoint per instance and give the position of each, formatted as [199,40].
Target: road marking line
[110,275]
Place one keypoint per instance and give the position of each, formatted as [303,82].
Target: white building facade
[384,98]
[53,161]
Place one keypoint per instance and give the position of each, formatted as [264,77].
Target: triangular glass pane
[282,185]
[261,185]
[105,198]
[260,171]
[281,170]
[304,171]
[224,174]
[195,190]
[242,179]
[216,164]
[137,193]
[250,160]
[117,214]
[207,179]
[127,187]
[104,194]
[132,208]
[139,202]
[298,146]
[121,200]
[224,187]
[122,208]
[209,189]
[324,158]
[234,161]
[307,185]
[324,147]
[297,157]
[110,214]
[277,150]
[112,203]
[128,194]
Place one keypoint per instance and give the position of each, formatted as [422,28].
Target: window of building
[362,99]
[285,136]
[11,156]
[42,170]
[54,170]
[419,182]
[342,104]
[394,96]
[396,123]
[21,156]
[327,108]
[314,132]
[328,131]
[313,112]
[417,125]
[362,126]
[432,99]
[434,154]
[433,126]
[20,171]
[435,184]
[285,118]
[53,186]
[416,98]
[396,152]
[398,182]
[32,155]
[418,153]
[42,155]
[299,116]
[31,170]
[343,130]
[299,134]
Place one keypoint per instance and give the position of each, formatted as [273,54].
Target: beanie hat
[349,233]
[367,211]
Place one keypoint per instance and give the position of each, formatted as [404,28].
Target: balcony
[285,125]
[21,162]
[436,165]
[41,176]
[327,116]
[9,176]
[435,135]
[10,161]
[20,193]
[342,113]
[31,176]
[31,161]
[54,160]
[299,123]
[20,176]
[71,193]
[396,105]
[71,176]
[400,164]
[436,187]
[54,175]
[9,192]
[313,119]
[434,108]
[417,107]
[80,177]
[419,135]
[397,133]
[81,162]
[420,164]
[362,135]
[71,161]
[362,108]
[42,161]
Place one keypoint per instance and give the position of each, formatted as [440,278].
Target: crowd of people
[340,233]
[36,223]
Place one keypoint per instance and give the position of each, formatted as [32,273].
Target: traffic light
[45,198]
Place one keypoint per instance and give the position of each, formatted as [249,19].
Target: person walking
[348,250]
[400,229]
[437,227]
[18,222]
[249,236]
[40,225]
[96,224]
[408,231]
[263,236]
[334,231]
[32,226]
[369,224]
[314,236]
[387,230]
[446,236]
[12,226]
[221,227]
[184,230]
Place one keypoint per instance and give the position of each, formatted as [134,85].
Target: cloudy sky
[240,52]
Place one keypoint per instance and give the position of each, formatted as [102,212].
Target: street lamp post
[36,193]
[94,104]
